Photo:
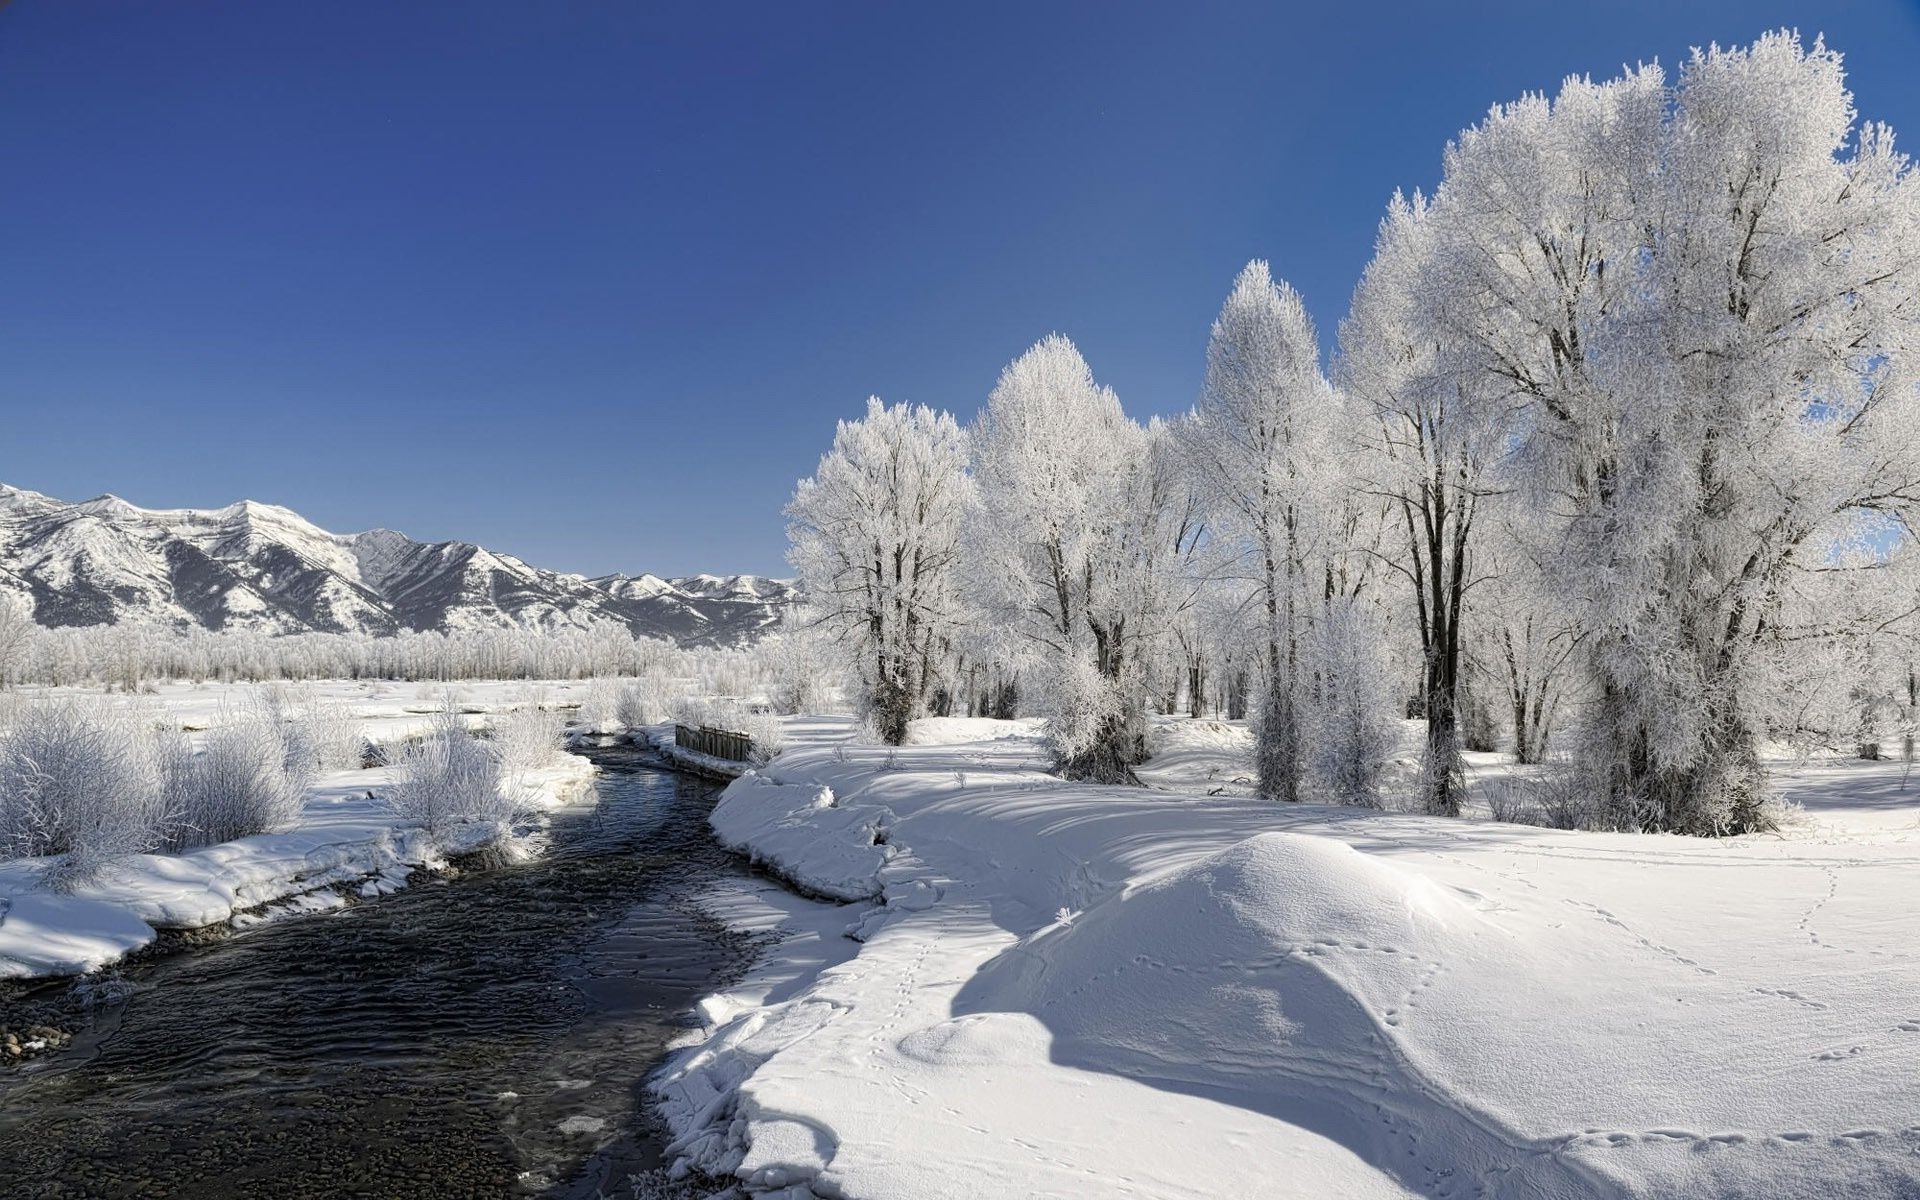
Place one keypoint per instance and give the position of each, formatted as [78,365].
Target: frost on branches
[1072,552]
[1688,314]
[875,536]
[1264,447]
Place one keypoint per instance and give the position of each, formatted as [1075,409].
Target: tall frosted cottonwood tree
[1434,441]
[875,539]
[1070,545]
[1257,446]
[1692,309]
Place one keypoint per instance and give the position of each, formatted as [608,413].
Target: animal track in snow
[1839,1053]
[1662,950]
[1785,994]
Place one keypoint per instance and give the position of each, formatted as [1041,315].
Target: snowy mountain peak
[106,504]
[262,566]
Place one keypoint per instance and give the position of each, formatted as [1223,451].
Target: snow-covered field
[347,835]
[1069,990]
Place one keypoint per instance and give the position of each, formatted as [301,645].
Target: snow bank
[1075,990]
[800,833]
[346,835]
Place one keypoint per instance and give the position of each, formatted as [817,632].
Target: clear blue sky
[590,283]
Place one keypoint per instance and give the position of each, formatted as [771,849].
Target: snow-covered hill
[260,566]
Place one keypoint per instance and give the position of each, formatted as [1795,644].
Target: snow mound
[1276,974]
[1304,952]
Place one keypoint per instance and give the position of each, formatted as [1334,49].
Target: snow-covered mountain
[260,566]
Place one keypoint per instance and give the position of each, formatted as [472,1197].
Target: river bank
[347,838]
[479,1034]
[1062,989]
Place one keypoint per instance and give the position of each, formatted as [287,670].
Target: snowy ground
[1067,990]
[347,836]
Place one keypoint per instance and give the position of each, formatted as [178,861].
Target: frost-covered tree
[1692,306]
[1073,552]
[16,631]
[1435,441]
[1257,443]
[875,537]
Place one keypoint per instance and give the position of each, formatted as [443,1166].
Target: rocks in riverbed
[18,1045]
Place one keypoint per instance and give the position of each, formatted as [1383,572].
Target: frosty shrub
[250,775]
[768,734]
[526,739]
[448,777]
[1083,709]
[1507,800]
[691,710]
[1355,724]
[76,781]
[1564,797]
[600,710]
[803,670]
[318,735]
[326,735]
[639,702]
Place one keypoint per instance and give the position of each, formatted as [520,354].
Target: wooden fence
[720,743]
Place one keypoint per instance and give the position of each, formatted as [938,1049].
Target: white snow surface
[342,837]
[1069,990]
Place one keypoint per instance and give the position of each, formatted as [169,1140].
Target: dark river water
[474,1036]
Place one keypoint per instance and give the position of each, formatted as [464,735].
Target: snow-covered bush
[1082,710]
[77,780]
[250,775]
[804,671]
[641,702]
[1355,727]
[526,739]
[600,708]
[768,734]
[448,777]
[320,735]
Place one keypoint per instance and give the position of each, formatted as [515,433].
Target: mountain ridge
[258,566]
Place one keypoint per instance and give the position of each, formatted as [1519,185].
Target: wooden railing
[720,743]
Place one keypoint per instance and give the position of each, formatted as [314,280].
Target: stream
[483,1034]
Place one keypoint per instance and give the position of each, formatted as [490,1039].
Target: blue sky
[590,283]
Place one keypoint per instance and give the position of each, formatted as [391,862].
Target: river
[484,1034]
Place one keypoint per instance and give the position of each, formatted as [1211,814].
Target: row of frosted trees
[130,655]
[1619,452]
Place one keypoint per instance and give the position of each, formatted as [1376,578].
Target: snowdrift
[1070,990]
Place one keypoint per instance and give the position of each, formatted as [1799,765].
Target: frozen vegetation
[1614,466]
[197,805]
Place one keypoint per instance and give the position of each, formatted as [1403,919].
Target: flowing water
[481,1035]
